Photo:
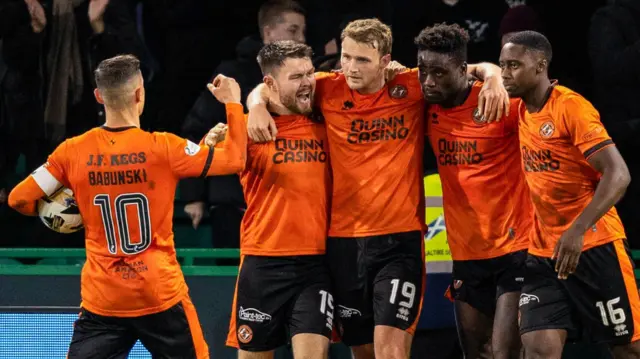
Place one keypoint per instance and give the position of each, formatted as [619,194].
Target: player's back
[376,147]
[487,208]
[125,187]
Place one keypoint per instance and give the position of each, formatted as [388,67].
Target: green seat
[21,166]
[205,261]
[9,261]
[62,261]
[187,237]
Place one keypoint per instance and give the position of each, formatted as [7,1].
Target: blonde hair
[372,32]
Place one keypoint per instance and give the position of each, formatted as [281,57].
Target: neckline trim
[117,129]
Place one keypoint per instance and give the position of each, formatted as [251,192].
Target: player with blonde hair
[375,128]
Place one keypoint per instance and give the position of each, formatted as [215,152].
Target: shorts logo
[245,334]
[528,298]
[253,315]
[547,129]
[191,149]
[345,312]
[457,284]
[520,279]
[478,118]
[398,92]
[621,330]
[403,313]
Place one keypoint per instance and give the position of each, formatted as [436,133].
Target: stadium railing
[68,261]
[73,258]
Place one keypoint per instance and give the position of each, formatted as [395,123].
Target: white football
[60,212]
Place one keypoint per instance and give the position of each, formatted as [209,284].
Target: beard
[298,103]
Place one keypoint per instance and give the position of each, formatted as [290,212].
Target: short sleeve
[56,163]
[583,123]
[323,82]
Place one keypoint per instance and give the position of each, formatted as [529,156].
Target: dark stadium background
[182,45]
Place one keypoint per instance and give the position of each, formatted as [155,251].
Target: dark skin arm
[612,186]
[493,101]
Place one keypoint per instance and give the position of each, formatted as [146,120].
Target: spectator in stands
[277,20]
[519,18]
[21,112]
[46,86]
[614,49]
[481,19]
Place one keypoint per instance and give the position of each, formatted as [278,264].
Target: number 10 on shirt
[121,220]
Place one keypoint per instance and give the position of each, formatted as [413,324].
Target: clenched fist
[225,89]
[216,135]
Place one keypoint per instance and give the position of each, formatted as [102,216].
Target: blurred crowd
[50,47]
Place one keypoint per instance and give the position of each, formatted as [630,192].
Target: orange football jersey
[487,209]
[286,186]
[555,145]
[376,145]
[124,182]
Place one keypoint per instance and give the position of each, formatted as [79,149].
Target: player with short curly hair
[486,202]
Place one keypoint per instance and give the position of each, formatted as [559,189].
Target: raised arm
[260,125]
[203,160]
[484,71]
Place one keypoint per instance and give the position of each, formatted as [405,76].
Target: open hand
[567,253]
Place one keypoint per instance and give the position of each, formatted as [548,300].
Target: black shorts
[599,303]
[277,298]
[480,283]
[377,281]
[174,333]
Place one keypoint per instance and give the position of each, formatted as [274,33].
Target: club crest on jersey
[245,334]
[547,129]
[398,92]
[191,149]
[478,118]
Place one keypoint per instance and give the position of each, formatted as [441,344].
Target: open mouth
[304,97]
